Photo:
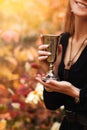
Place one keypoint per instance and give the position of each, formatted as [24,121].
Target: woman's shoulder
[63,37]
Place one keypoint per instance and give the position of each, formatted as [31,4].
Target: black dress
[77,75]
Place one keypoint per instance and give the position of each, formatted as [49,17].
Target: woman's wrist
[76,94]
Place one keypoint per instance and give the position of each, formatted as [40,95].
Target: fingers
[42,47]
[42,58]
[39,79]
[59,49]
[52,82]
[47,83]
[42,53]
[50,85]
[59,56]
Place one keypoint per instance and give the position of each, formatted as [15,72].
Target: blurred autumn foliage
[27,15]
[21,96]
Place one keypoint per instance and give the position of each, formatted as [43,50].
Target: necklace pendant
[68,66]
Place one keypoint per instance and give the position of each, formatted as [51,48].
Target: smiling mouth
[82,5]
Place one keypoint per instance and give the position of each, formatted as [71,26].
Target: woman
[71,90]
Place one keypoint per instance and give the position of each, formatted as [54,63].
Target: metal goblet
[52,40]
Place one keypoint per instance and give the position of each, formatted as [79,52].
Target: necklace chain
[70,62]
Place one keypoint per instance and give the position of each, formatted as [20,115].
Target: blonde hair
[69,20]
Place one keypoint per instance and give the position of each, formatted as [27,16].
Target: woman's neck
[80,29]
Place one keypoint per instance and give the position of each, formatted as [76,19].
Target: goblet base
[47,77]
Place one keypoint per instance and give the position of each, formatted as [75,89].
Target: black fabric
[74,117]
[77,75]
[69,125]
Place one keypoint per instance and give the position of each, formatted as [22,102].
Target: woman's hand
[60,86]
[43,55]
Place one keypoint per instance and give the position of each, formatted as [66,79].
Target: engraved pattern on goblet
[52,40]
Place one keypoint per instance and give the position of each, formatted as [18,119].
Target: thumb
[58,59]
[59,54]
[60,48]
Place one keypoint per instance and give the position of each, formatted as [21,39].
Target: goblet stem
[50,74]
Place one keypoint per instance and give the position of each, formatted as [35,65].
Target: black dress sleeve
[83,94]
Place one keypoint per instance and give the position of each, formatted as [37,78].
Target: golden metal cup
[52,40]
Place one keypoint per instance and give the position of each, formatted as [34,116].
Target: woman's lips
[83,5]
